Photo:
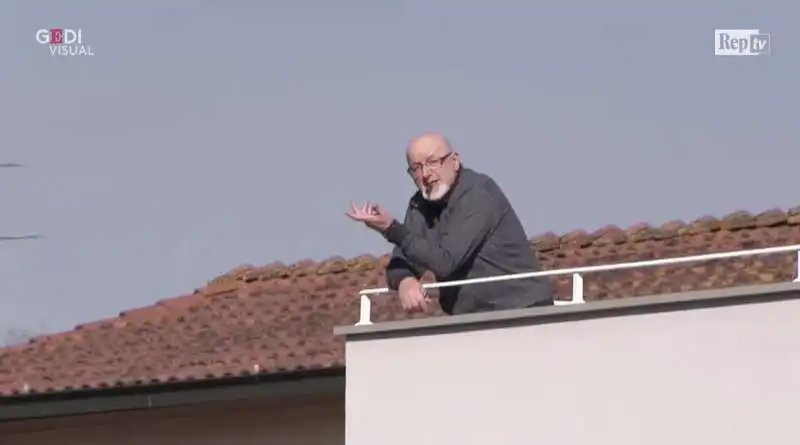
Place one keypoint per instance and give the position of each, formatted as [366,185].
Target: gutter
[146,397]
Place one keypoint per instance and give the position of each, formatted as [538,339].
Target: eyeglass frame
[432,164]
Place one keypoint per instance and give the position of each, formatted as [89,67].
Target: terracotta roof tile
[277,318]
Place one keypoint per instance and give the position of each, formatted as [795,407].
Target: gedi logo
[741,42]
[64,42]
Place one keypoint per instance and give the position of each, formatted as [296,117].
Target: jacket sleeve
[473,218]
[400,267]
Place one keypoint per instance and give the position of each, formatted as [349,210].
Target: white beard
[436,193]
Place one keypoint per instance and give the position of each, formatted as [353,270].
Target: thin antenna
[21,237]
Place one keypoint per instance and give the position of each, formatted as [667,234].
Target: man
[459,225]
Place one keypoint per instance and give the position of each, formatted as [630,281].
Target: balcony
[718,366]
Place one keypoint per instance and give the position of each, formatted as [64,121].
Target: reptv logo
[741,42]
[64,42]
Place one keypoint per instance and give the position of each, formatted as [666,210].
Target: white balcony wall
[657,371]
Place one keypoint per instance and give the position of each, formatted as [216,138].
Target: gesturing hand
[373,215]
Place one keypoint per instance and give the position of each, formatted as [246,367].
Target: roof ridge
[544,242]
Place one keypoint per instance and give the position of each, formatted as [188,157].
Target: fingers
[362,211]
[416,300]
[421,303]
[357,212]
[368,208]
[408,304]
[353,211]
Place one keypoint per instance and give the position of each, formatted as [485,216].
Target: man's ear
[457,159]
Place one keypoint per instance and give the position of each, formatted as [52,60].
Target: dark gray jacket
[472,233]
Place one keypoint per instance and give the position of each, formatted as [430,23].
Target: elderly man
[459,225]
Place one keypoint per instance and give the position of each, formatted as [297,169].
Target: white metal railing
[577,279]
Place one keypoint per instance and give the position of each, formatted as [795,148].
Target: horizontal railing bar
[601,268]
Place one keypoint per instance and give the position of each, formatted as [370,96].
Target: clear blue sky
[203,135]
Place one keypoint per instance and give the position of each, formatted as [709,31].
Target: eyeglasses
[431,164]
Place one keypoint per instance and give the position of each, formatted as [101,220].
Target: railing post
[797,272]
[577,289]
[365,312]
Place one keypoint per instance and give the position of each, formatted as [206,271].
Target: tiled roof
[280,318]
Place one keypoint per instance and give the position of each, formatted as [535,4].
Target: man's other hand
[412,295]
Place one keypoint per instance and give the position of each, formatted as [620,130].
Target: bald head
[427,145]
[433,164]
